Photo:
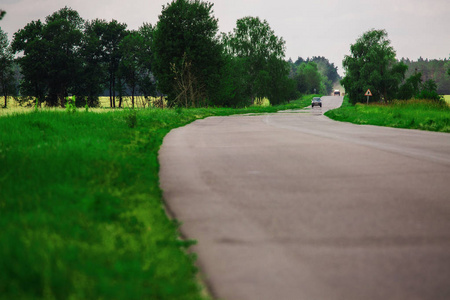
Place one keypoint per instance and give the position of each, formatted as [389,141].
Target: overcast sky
[416,28]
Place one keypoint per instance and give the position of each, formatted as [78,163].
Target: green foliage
[102,55]
[51,62]
[95,73]
[187,55]
[429,91]
[7,85]
[372,65]
[410,88]
[414,114]
[328,71]
[70,104]
[146,80]
[257,56]
[114,33]
[309,80]
[2,14]
[435,69]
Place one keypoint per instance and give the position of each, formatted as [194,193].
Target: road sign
[368,94]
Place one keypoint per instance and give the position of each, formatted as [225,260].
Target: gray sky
[416,28]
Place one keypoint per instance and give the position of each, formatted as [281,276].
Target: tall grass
[412,114]
[81,209]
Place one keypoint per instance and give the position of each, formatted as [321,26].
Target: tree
[259,56]
[328,71]
[2,14]
[6,67]
[50,61]
[31,41]
[110,40]
[63,33]
[146,79]
[428,91]
[410,88]
[95,78]
[136,62]
[435,69]
[308,79]
[187,57]
[372,65]
[280,88]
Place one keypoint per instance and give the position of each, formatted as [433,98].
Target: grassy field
[14,107]
[81,209]
[447,99]
[412,114]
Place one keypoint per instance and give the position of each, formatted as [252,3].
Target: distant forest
[431,69]
[314,75]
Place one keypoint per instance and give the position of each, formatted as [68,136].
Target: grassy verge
[81,210]
[104,105]
[412,114]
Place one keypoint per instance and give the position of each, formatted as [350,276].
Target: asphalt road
[297,206]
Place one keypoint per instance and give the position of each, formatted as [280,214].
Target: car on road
[316,101]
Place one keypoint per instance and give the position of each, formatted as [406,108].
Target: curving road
[293,205]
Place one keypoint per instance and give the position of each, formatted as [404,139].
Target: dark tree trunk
[114,91]
[110,92]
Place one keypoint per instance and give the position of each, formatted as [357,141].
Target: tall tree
[51,61]
[258,53]
[6,70]
[110,40]
[129,66]
[308,79]
[93,53]
[135,64]
[327,70]
[187,54]
[33,62]
[372,65]
[146,79]
[63,33]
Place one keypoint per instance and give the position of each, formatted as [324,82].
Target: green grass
[412,114]
[81,209]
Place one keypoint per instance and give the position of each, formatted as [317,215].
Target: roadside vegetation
[81,209]
[396,100]
[413,114]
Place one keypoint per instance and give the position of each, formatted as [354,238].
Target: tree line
[314,75]
[372,65]
[436,69]
[182,57]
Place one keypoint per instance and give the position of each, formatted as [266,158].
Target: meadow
[447,99]
[82,215]
[412,114]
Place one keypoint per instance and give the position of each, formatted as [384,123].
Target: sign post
[368,94]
